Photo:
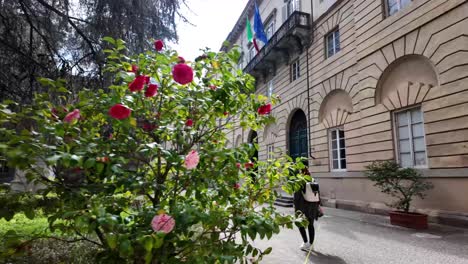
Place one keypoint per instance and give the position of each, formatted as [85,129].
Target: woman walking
[307,201]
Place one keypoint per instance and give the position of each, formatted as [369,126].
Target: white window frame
[270,88]
[270,151]
[251,53]
[270,28]
[293,5]
[397,137]
[399,7]
[330,143]
[240,63]
[295,70]
[336,48]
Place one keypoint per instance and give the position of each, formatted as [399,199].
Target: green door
[298,144]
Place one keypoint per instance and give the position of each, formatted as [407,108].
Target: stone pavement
[354,237]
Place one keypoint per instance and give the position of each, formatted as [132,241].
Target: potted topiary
[403,184]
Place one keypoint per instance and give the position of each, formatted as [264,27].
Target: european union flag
[258,26]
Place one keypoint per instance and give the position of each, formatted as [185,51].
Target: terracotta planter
[410,220]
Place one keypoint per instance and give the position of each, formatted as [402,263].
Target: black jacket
[309,209]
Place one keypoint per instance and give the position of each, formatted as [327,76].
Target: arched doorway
[298,144]
[253,139]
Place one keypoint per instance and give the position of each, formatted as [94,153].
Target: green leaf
[89,163]
[30,213]
[125,248]
[111,240]
[109,40]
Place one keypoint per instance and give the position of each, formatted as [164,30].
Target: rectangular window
[271,151]
[394,6]
[332,43]
[270,28]
[338,149]
[251,53]
[295,70]
[270,88]
[240,63]
[411,143]
[289,7]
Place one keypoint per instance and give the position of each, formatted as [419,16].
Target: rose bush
[143,171]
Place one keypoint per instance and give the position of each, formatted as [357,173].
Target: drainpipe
[308,81]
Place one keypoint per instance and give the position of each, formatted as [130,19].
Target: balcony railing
[295,20]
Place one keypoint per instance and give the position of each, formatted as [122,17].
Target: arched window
[403,87]
[298,144]
[253,139]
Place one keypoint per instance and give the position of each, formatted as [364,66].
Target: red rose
[158,45]
[238,165]
[152,90]
[137,84]
[248,165]
[236,186]
[213,87]
[134,68]
[72,116]
[77,170]
[264,109]
[189,122]
[54,111]
[148,127]
[119,111]
[181,59]
[182,73]
[103,159]
[226,113]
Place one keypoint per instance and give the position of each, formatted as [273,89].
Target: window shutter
[284,12]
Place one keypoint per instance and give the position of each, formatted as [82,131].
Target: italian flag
[250,37]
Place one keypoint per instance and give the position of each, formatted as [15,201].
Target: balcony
[293,35]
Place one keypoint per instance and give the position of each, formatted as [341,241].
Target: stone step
[284,201]
[278,203]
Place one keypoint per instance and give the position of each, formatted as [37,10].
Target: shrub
[401,183]
[141,170]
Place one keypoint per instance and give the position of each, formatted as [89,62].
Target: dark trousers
[311,232]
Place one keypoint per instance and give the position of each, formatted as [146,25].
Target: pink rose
[191,160]
[158,45]
[180,59]
[152,90]
[119,111]
[238,165]
[189,122]
[264,109]
[182,73]
[137,84]
[163,223]
[213,87]
[236,186]
[72,116]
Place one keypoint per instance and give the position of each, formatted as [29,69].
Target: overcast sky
[212,19]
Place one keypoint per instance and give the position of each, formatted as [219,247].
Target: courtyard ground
[353,237]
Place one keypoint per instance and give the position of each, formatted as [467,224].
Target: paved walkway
[353,237]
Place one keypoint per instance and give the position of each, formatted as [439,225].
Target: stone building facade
[366,80]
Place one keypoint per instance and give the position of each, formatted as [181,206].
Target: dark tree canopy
[63,39]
